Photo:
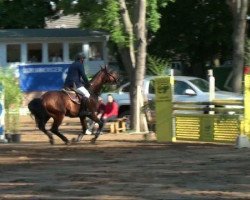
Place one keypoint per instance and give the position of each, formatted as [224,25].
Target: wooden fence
[214,121]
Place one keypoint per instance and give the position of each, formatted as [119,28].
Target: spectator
[99,112]
[111,109]
[33,59]
[100,108]
[56,58]
[106,113]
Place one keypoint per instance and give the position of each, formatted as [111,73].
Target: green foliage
[12,121]
[195,29]
[25,13]
[106,15]
[12,99]
[13,95]
[157,66]
[153,14]
[113,20]
[247,53]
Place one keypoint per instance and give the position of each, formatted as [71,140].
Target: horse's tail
[38,111]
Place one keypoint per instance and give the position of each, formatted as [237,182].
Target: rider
[77,79]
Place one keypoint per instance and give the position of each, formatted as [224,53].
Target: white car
[186,89]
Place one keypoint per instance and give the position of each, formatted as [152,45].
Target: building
[40,46]
[49,50]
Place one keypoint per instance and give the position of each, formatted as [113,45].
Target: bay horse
[58,104]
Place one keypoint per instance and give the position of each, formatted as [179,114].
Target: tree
[239,10]
[25,13]
[198,31]
[126,20]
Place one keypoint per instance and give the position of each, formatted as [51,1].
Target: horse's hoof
[51,142]
[68,142]
[74,140]
[93,141]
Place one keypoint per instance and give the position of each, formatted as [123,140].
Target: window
[55,52]
[35,52]
[74,48]
[126,88]
[151,87]
[95,51]
[180,87]
[201,84]
[13,53]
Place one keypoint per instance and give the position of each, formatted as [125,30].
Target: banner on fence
[247,105]
[44,77]
[164,120]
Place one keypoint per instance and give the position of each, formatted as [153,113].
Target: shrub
[157,66]
[12,98]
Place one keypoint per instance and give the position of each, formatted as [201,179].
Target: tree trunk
[128,50]
[140,44]
[126,59]
[239,8]
[135,60]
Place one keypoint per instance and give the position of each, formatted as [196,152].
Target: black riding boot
[84,107]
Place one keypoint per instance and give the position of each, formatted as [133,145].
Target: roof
[64,21]
[50,33]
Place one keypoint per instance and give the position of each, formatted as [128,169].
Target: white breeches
[82,90]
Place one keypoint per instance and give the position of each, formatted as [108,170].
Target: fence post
[247,105]
[164,109]
[211,80]
[2,114]
[243,138]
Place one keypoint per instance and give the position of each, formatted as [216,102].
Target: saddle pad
[73,96]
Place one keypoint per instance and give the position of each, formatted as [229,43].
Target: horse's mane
[97,86]
[93,78]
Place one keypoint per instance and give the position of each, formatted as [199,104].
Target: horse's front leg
[100,123]
[84,128]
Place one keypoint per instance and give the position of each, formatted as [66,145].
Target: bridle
[111,75]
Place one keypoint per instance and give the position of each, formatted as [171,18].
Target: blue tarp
[44,77]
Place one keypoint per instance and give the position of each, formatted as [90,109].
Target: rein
[116,81]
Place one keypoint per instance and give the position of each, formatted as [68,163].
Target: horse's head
[109,76]
[104,76]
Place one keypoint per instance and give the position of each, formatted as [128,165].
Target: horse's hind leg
[41,125]
[84,128]
[51,139]
[54,129]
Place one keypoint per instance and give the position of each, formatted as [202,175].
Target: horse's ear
[101,67]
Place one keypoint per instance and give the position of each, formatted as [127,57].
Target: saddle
[73,95]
